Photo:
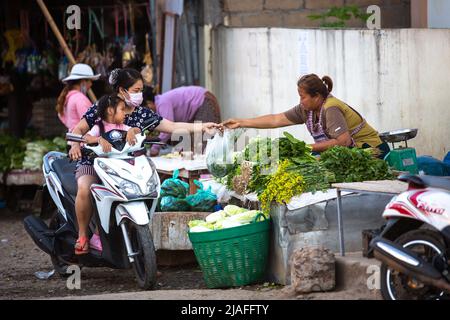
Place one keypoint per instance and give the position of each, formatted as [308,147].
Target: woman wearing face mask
[72,102]
[128,85]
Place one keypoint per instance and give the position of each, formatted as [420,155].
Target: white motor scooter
[414,245]
[123,202]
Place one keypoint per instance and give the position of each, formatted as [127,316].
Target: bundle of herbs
[315,175]
[292,149]
[355,165]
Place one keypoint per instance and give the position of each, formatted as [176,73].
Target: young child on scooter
[111,111]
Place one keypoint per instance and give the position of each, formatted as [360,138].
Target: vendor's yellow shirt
[353,119]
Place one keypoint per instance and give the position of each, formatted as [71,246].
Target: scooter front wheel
[144,264]
[396,286]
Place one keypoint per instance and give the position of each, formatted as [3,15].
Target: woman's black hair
[148,94]
[124,78]
[103,104]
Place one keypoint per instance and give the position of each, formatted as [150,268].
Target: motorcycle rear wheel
[397,286]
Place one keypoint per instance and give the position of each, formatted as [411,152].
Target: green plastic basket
[234,256]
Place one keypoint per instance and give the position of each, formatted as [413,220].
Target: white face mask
[135,99]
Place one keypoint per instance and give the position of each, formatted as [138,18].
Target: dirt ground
[20,259]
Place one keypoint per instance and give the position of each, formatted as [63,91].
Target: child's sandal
[82,246]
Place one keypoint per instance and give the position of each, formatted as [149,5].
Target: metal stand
[340,223]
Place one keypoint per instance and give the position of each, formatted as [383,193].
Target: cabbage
[199,223]
[230,224]
[199,229]
[244,217]
[215,216]
[231,210]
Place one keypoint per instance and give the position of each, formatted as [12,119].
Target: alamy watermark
[373,281]
[74,19]
[74,280]
[374,20]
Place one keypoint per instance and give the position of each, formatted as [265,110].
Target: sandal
[96,243]
[82,246]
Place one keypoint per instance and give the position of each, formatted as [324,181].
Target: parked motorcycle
[124,202]
[414,245]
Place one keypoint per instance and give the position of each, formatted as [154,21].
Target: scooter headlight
[130,189]
[107,169]
[152,183]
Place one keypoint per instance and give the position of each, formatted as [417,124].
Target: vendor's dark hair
[124,78]
[103,104]
[313,85]
[61,101]
[149,93]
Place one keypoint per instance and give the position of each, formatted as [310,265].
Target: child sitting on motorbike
[111,110]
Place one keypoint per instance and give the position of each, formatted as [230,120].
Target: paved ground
[20,259]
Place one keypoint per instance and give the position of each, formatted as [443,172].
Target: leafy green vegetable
[354,164]
[315,175]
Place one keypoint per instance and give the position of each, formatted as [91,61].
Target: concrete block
[323,4]
[284,4]
[263,19]
[358,274]
[299,19]
[243,5]
[170,229]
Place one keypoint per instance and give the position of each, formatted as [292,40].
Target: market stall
[41,46]
[282,179]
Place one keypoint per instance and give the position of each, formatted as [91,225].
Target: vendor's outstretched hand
[232,123]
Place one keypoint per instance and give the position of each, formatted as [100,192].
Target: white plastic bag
[219,152]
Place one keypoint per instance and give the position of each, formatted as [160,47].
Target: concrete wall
[395,78]
[294,13]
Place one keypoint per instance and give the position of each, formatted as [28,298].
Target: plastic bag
[173,204]
[174,187]
[203,200]
[219,152]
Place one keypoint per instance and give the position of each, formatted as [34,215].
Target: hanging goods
[147,71]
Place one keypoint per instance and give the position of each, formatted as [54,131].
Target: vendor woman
[330,121]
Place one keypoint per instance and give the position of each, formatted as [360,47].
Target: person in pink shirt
[73,103]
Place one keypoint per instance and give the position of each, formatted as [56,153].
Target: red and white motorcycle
[414,245]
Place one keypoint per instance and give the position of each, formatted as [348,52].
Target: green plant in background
[339,15]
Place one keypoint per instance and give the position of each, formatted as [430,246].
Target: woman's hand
[210,127]
[75,151]
[106,146]
[232,123]
[131,136]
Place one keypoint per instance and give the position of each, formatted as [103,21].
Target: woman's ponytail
[328,82]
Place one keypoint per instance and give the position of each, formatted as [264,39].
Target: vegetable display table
[188,169]
[385,187]
[23,178]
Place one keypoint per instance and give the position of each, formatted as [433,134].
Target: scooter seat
[65,170]
[428,181]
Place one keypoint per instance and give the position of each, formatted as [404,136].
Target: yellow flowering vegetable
[282,186]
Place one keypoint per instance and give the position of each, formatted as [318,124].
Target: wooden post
[61,40]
